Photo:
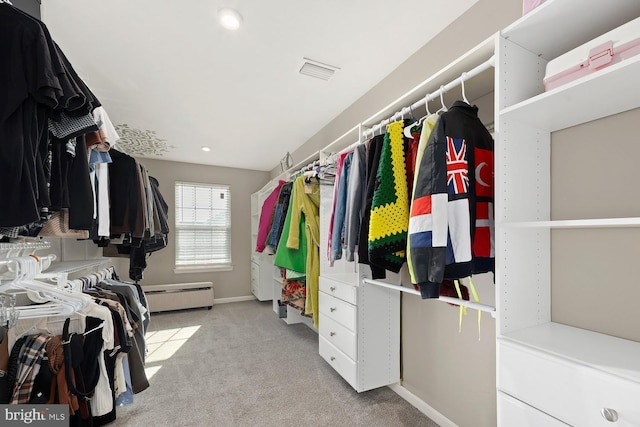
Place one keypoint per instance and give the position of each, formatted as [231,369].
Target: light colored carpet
[245,367]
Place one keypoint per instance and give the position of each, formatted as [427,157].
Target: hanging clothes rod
[353,130]
[308,162]
[470,304]
[489,63]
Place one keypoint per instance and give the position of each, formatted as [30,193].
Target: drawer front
[340,290]
[338,335]
[337,310]
[255,270]
[573,393]
[255,277]
[339,361]
[514,413]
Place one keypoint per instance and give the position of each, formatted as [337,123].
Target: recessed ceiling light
[229,18]
[206,149]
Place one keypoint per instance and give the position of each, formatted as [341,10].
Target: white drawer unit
[261,277]
[359,332]
[255,277]
[359,325]
[574,393]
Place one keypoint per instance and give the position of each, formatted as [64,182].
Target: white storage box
[601,52]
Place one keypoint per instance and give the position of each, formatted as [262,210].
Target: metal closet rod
[433,95]
[470,304]
[307,167]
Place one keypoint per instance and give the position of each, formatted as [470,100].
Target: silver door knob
[333,288]
[332,333]
[609,414]
[332,309]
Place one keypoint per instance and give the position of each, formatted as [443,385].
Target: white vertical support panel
[378,333]
[520,73]
[525,280]
[326,201]
[523,178]
[522,194]
[523,269]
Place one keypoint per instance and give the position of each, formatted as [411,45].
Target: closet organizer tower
[548,373]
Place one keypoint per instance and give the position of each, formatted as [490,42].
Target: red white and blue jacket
[451,223]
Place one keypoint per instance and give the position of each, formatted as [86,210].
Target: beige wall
[452,372]
[590,170]
[160,265]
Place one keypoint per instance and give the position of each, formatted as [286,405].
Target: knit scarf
[390,209]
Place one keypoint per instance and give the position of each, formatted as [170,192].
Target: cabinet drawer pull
[610,415]
[332,288]
[332,309]
[333,358]
[332,333]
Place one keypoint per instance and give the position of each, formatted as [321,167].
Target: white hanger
[61,302]
[462,79]
[426,105]
[444,107]
[407,129]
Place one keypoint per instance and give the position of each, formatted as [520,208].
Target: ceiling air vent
[317,69]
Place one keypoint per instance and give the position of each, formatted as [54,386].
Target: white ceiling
[178,81]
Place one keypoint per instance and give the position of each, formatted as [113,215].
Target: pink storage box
[601,52]
[529,5]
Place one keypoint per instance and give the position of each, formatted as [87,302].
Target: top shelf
[544,31]
[601,94]
[613,355]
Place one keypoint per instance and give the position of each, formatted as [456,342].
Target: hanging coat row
[426,199]
[289,227]
[92,360]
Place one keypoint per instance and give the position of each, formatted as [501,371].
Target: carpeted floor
[239,365]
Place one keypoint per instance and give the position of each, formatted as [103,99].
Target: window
[203,227]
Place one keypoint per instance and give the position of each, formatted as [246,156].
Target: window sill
[202,269]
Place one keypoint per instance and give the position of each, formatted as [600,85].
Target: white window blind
[203,225]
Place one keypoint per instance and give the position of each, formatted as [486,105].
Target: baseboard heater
[179,296]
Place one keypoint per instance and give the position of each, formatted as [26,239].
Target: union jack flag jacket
[451,219]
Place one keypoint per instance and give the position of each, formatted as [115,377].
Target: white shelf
[577,223]
[547,32]
[606,353]
[592,97]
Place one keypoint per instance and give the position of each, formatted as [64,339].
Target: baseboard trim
[422,406]
[233,299]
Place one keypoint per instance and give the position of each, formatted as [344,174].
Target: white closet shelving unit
[550,374]
[359,332]
[261,263]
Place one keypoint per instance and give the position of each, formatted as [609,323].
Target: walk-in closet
[243,213]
